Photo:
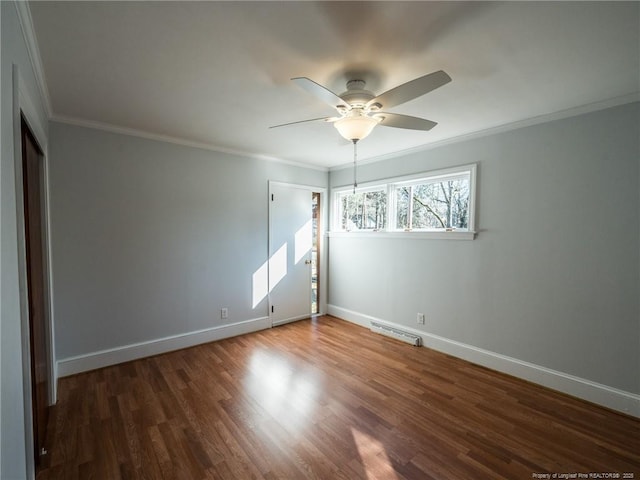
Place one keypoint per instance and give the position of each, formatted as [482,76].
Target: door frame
[322,243]
[23,106]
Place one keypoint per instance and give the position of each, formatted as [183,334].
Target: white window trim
[417,235]
[390,186]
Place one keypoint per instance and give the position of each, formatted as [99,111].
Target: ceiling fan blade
[410,90]
[322,119]
[404,121]
[324,94]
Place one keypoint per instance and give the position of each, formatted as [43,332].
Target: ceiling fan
[359,110]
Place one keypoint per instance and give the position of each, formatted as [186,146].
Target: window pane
[433,205]
[441,204]
[363,210]
[344,212]
[428,206]
[376,210]
[402,207]
[356,214]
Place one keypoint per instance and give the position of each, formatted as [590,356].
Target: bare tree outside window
[364,210]
[437,202]
[434,205]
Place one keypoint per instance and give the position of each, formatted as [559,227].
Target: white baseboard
[604,395]
[112,356]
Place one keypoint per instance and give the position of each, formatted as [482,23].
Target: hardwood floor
[325,399]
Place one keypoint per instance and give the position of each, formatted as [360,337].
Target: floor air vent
[396,333]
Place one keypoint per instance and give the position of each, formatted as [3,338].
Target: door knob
[307,262]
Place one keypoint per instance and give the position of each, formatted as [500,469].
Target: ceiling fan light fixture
[354,128]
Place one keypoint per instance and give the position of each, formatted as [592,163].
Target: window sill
[456,235]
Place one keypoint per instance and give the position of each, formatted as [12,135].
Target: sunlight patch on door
[260,284]
[277,266]
[303,241]
[269,275]
[373,456]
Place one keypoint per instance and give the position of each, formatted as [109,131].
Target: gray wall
[553,276]
[14,442]
[152,239]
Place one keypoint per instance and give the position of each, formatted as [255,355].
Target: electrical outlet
[224,312]
[420,319]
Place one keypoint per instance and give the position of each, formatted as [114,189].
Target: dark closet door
[32,171]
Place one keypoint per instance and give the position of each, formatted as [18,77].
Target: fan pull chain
[355,157]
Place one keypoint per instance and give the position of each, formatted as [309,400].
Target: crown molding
[528,122]
[30,38]
[107,127]
[26,24]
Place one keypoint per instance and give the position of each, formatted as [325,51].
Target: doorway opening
[37,286]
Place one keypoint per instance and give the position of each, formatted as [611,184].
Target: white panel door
[290,241]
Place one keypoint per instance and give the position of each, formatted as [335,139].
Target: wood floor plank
[325,399]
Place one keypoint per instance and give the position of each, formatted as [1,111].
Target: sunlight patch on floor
[282,390]
[374,456]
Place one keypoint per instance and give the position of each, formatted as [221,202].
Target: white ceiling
[218,73]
